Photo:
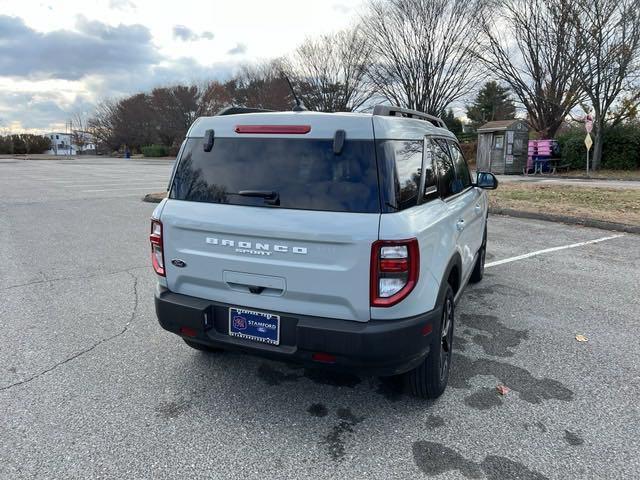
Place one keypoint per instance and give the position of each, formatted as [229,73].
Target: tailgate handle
[255,289]
[255,284]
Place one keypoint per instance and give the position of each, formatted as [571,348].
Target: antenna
[299,106]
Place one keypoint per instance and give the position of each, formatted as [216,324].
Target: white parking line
[553,249]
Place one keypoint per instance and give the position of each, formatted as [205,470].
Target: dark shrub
[24,143]
[572,148]
[155,151]
[620,149]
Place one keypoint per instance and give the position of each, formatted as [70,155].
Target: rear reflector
[274,129]
[394,265]
[323,358]
[188,332]
[427,329]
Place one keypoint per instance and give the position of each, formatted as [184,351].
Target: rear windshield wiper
[270,197]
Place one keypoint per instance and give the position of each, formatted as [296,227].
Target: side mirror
[486,180]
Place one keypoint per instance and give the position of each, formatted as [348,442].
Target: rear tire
[202,347]
[478,268]
[429,379]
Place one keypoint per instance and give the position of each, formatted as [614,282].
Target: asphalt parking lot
[92,387]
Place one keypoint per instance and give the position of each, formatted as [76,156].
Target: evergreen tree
[492,103]
[454,124]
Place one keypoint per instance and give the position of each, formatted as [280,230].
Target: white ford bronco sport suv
[340,240]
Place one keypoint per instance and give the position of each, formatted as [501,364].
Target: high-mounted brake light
[157,250]
[395,266]
[274,129]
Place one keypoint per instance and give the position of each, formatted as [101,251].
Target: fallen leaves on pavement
[502,390]
[581,338]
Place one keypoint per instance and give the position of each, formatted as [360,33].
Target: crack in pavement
[132,316]
[59,279]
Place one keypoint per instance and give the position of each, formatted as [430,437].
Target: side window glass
[462,169]
[430,175]
[408,159]
[446,170]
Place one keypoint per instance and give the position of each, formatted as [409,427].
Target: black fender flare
[454,261]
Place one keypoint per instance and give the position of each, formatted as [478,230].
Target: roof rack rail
[391,111]
[237,110]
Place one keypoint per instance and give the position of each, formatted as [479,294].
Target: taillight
[157,253]
[395,265]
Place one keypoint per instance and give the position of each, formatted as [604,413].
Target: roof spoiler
[237,110]
[391,111]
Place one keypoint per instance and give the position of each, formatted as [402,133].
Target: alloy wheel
[447,337]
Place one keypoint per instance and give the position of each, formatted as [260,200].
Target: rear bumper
[377,347]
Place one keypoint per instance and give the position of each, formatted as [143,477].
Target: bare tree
[609,37]
[213,98]
[80,136]
[331,71]
[101,125]
[131,121]
[531,46]
[425,51]
[261,86]
[136,124]
[175,109]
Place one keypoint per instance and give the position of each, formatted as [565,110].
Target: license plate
[256,326]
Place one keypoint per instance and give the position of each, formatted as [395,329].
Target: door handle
[460,225]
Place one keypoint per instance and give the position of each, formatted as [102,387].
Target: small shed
[502,146]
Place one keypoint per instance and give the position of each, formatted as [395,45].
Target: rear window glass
[304,173]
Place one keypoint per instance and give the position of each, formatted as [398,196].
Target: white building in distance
[66,143]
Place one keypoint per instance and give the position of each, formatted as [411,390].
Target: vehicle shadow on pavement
[335,409]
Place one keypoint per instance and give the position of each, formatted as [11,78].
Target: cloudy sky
[58,58]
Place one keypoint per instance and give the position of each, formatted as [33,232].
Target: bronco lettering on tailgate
[259,248]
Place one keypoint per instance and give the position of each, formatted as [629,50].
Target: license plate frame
[261,327]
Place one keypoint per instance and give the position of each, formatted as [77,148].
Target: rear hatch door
[275,222]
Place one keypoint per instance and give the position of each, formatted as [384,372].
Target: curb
[154,197]
[599,179]
[585,222]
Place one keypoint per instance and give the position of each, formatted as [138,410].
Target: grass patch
[619,205]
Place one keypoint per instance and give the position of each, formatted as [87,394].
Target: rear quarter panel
[431,224]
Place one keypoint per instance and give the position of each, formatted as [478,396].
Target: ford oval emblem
[178,263]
